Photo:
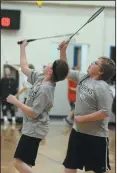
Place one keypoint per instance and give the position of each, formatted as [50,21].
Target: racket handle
[65,43]
[20,42]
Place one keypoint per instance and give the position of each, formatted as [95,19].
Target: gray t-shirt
[40,99]
[92,96]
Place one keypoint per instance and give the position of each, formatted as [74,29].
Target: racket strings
[89,20]
[95,14]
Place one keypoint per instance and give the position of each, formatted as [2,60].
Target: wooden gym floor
[51,152]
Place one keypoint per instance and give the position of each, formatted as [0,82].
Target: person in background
[8,85]
[26,87]
[72,99]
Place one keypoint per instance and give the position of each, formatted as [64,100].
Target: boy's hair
[60,70]
[108,68]
[31,66]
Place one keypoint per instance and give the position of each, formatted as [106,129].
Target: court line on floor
[58,162]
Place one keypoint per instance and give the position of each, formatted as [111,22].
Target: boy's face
[95,68]
[47,70]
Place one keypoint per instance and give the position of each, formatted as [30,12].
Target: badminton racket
[42,38]
[90,19]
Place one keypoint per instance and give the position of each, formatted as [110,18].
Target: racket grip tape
[20,42]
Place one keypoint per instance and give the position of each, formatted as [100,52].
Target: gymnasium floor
[51,152]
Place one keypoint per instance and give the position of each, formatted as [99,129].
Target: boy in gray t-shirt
[88,142]
[36,110]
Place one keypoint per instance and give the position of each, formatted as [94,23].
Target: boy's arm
[39,104]
[63,47]
[75,75]
[23,61]
[31,74]
[21,91]
[104,105]
[72,89]
[90,117]
[26,109]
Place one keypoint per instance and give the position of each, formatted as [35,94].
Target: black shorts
[86,151]
[27,149]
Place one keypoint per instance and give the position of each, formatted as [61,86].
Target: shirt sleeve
[40,103]
[104,99]
[75,75]
[33,76]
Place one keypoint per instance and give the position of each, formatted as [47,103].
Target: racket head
[90,19]
[95,14]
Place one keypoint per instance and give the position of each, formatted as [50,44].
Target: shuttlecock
[39,3]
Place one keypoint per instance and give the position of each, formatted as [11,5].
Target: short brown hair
[108,68]
[60,70]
